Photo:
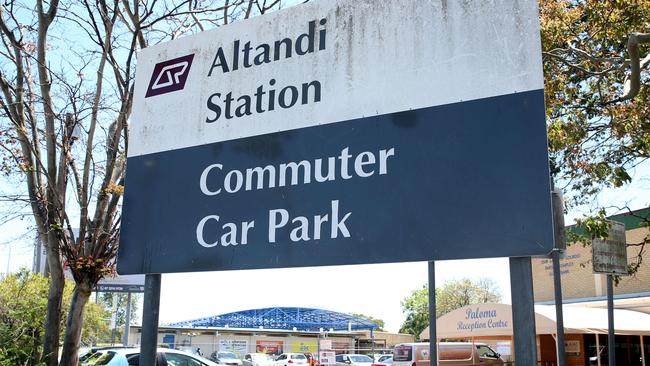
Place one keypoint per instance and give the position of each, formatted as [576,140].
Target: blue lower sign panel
[425,184]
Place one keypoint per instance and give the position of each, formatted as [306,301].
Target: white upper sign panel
[329,61]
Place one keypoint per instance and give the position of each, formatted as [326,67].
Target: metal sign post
[560,245]
[127,321]
[611,334]
[433,338]
[609,257]
[150,313]
[523,311]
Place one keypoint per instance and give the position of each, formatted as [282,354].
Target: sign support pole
[598,349]
[150,313]
[642,353]
[114,321]
[611,344]
[433,338]
[560,245]
[559,315]
[127,320]
[523,311]
[372,339]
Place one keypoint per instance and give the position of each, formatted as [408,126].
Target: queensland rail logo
[169,76]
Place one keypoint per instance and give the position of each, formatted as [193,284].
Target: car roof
[128,350]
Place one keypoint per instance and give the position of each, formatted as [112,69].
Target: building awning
[482,320]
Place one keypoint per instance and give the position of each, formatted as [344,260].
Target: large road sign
[340,132]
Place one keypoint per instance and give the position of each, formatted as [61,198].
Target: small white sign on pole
[325,344]
[610,255]
[327,357]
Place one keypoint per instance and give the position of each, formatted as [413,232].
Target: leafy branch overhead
[597,133]
[597,101]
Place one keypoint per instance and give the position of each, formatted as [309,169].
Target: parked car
[257,359]
[291,359]
[449,353]
[379,357]
[384,360]
[91,355]
[353,359]
[131,357]
[225,358]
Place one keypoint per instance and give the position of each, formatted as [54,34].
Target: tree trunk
[35,358]
[72,338]
[54,299]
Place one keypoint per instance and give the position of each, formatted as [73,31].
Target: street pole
[115,310]
[372,339]
[611,344]
[523,311]
[127,320]
[433,339]
[150,313]
[559,315]
[560,245]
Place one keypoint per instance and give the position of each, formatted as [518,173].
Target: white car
[131,357]
[257,359]
[291,359]
[354,360]
[225,358]
[381,357]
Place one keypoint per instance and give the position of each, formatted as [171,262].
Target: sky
[374,290]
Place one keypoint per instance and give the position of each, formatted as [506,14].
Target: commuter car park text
[304,228]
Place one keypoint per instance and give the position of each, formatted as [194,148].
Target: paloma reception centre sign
[340,132]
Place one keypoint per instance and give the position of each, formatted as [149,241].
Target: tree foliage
[597,136]
[451,296]
[456,294]
[594,138]
[23,304]
[416,308]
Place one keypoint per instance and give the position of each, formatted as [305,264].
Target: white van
[449,353]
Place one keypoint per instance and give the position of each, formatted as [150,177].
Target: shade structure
[482,320]
[286,318]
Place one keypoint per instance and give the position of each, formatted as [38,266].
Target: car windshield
[105,358]
[298,357]
[402,353]
[485,351]
[360,358]
[226,355]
